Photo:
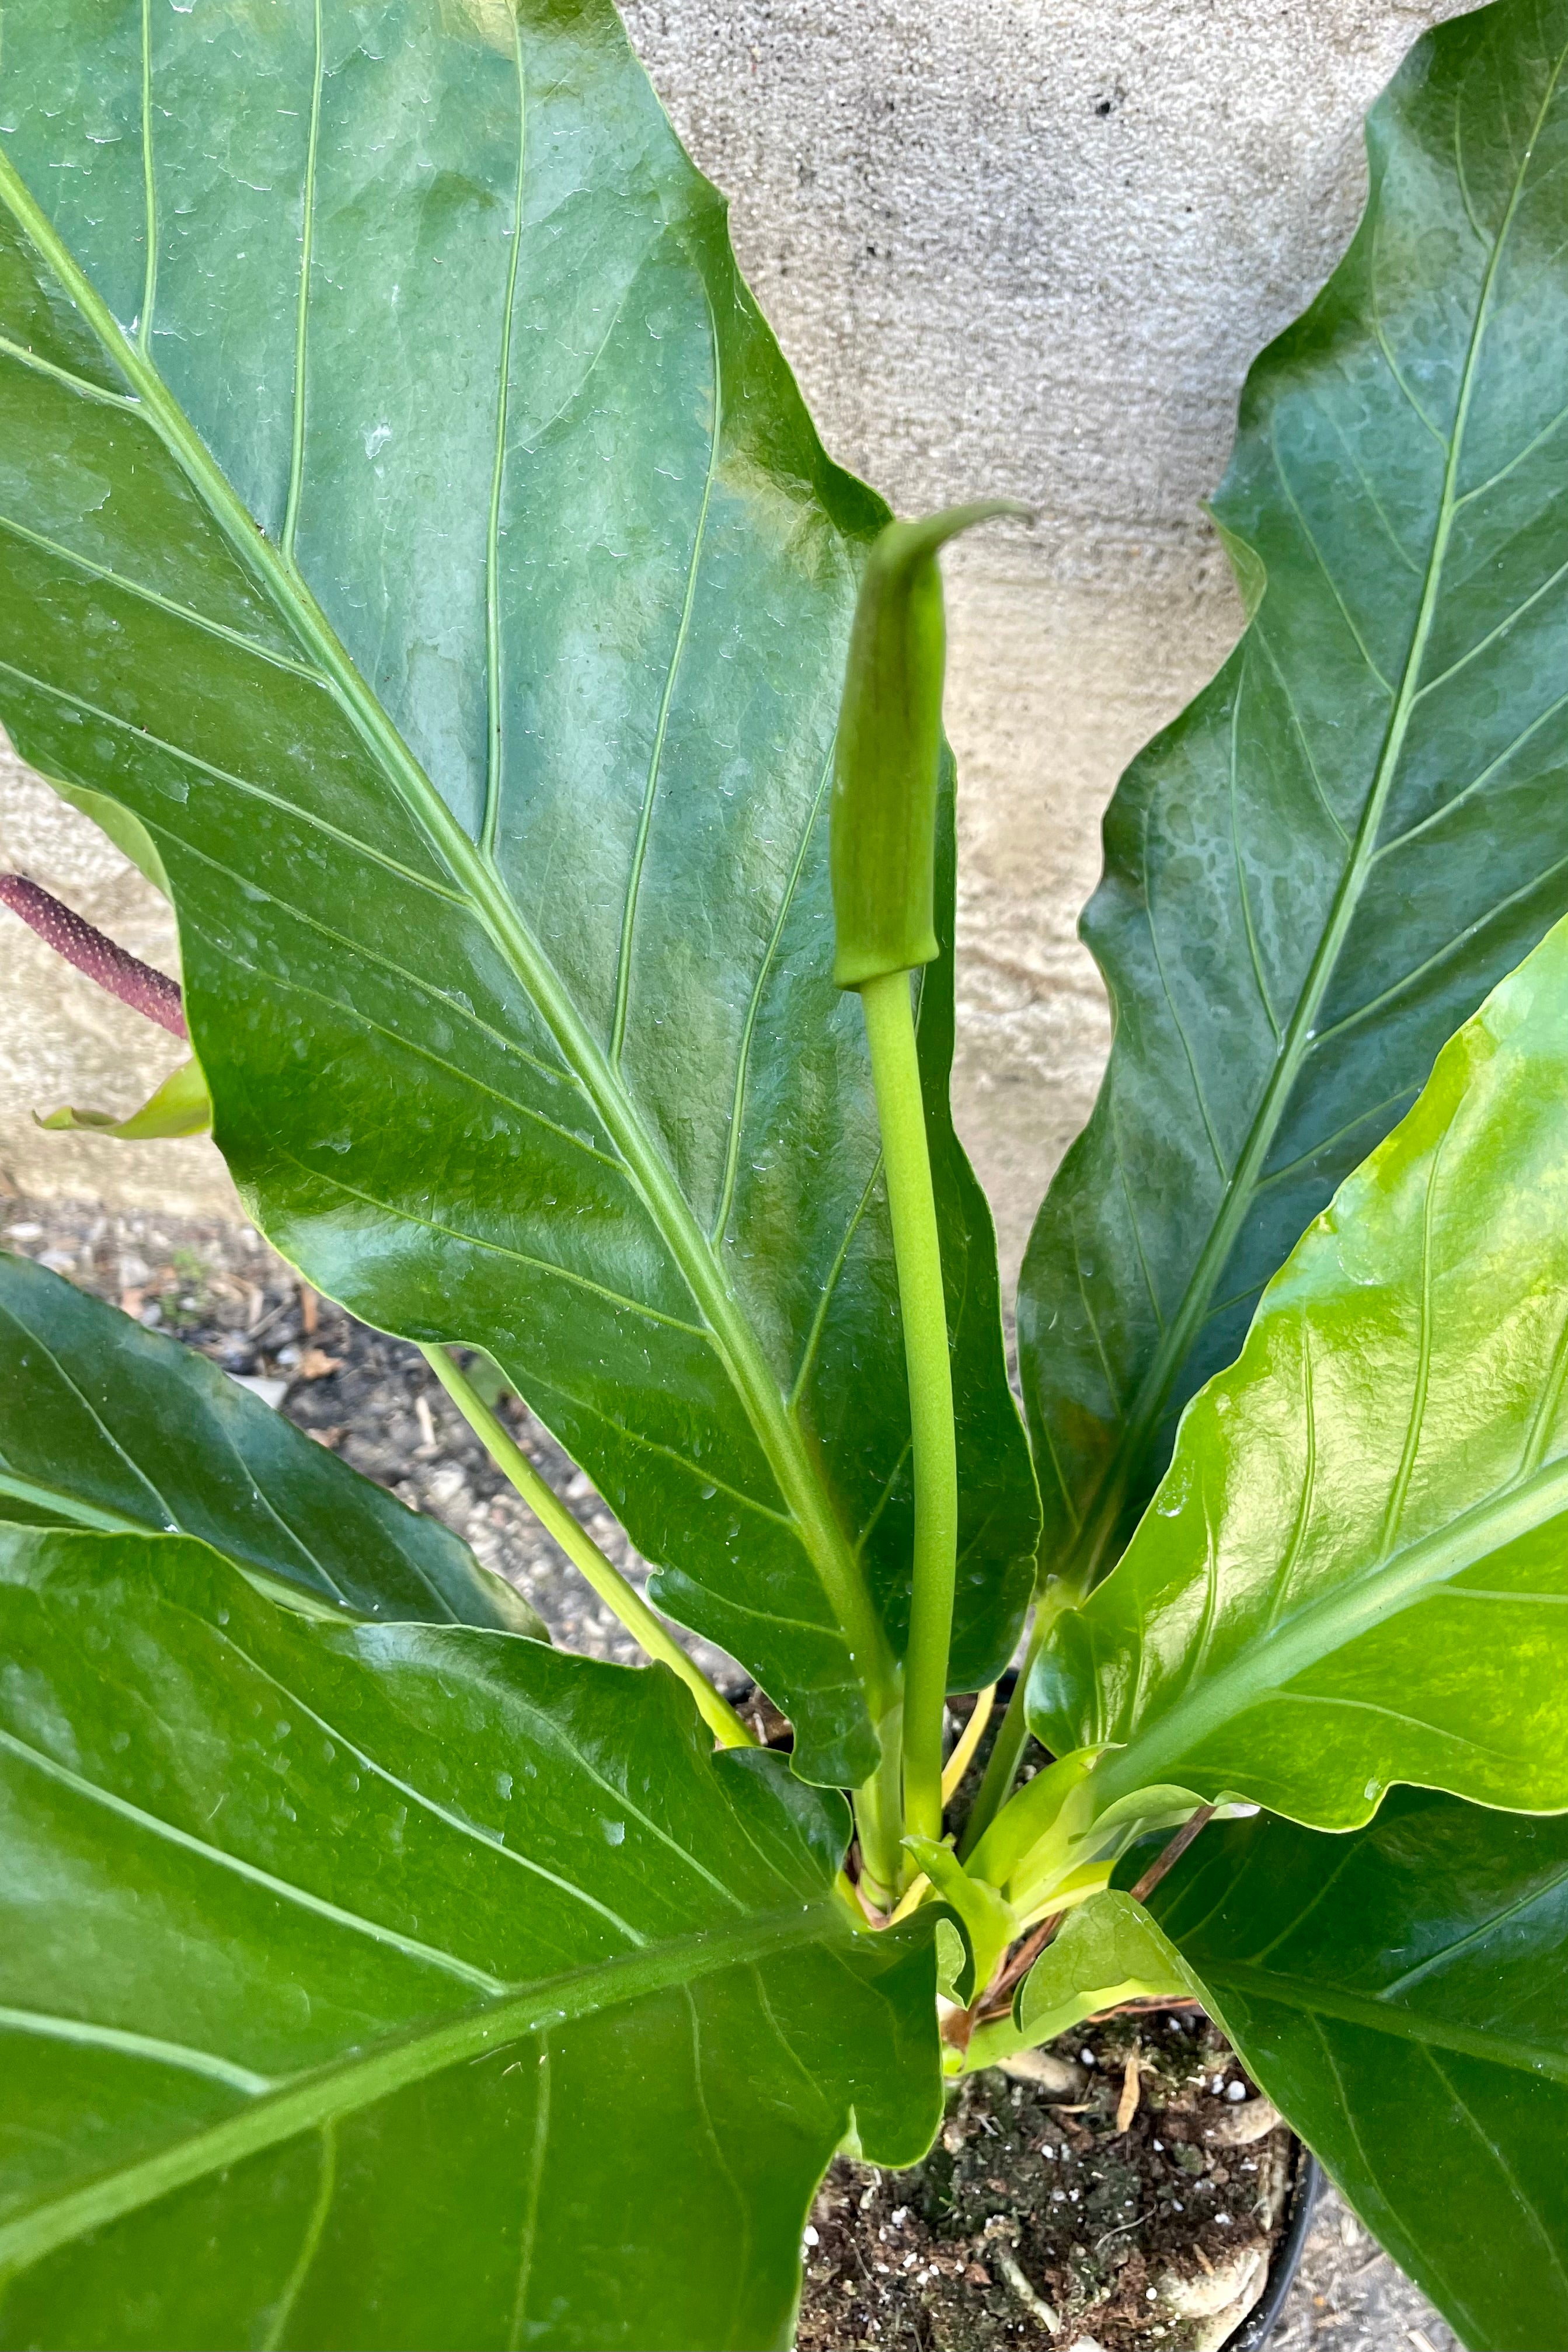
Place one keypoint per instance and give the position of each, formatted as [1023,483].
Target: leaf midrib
[72,1506]
[1273,1657]
[1313,1998]
[1088,1550]
[824,1538]
[358,2082]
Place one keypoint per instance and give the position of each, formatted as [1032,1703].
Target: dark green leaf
[103,1424]
[463,616]
[1401,1995]
[1356,1571]
[1318,871]
[397,1986]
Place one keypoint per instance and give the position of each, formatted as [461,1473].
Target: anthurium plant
[417,557]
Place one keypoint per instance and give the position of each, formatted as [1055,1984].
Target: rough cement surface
[62,1040]
[1030,247]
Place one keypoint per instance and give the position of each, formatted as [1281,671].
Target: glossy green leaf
[409,519]
[105,1425]
[1356,1571]
[394,1985]
[1108,1951]
[1318,871]
[179,1107]
[1402,1996]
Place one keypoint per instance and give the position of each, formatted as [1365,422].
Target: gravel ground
[374,1401]
[1349,2297]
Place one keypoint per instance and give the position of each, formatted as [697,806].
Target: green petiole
[625,1601]
[879,1819]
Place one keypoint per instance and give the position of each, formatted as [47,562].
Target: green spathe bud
[889,743]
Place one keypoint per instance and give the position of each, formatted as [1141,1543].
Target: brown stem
[135,983]
[1151,2007]
[1172,1855]
[1022,1961]
[995,2001]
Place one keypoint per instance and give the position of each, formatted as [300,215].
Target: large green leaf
[1401,1995]
[408,1986]
[1356,1571]
[409,519]
[1317,872]
[103,1424]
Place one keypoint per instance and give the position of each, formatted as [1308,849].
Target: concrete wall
[1014,245]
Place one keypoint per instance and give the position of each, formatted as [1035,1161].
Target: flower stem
[151,994]
[622,1599]
[900,1106]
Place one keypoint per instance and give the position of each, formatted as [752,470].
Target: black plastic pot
[1260,2321]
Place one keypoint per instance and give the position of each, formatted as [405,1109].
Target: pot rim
[1305,2188]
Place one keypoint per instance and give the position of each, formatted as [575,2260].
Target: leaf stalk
[878,1819]
[622,1599]
[917,1247]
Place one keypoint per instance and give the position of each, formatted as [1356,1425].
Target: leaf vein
[153,1825]
[651,789]
[498,475]
[544,1265]
[303,303]
[738,1102]
[185,614]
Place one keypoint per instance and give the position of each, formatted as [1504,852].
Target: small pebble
[1236,2092]
[809,2236]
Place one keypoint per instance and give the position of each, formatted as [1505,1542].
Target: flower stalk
[886,768]
[92,952]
